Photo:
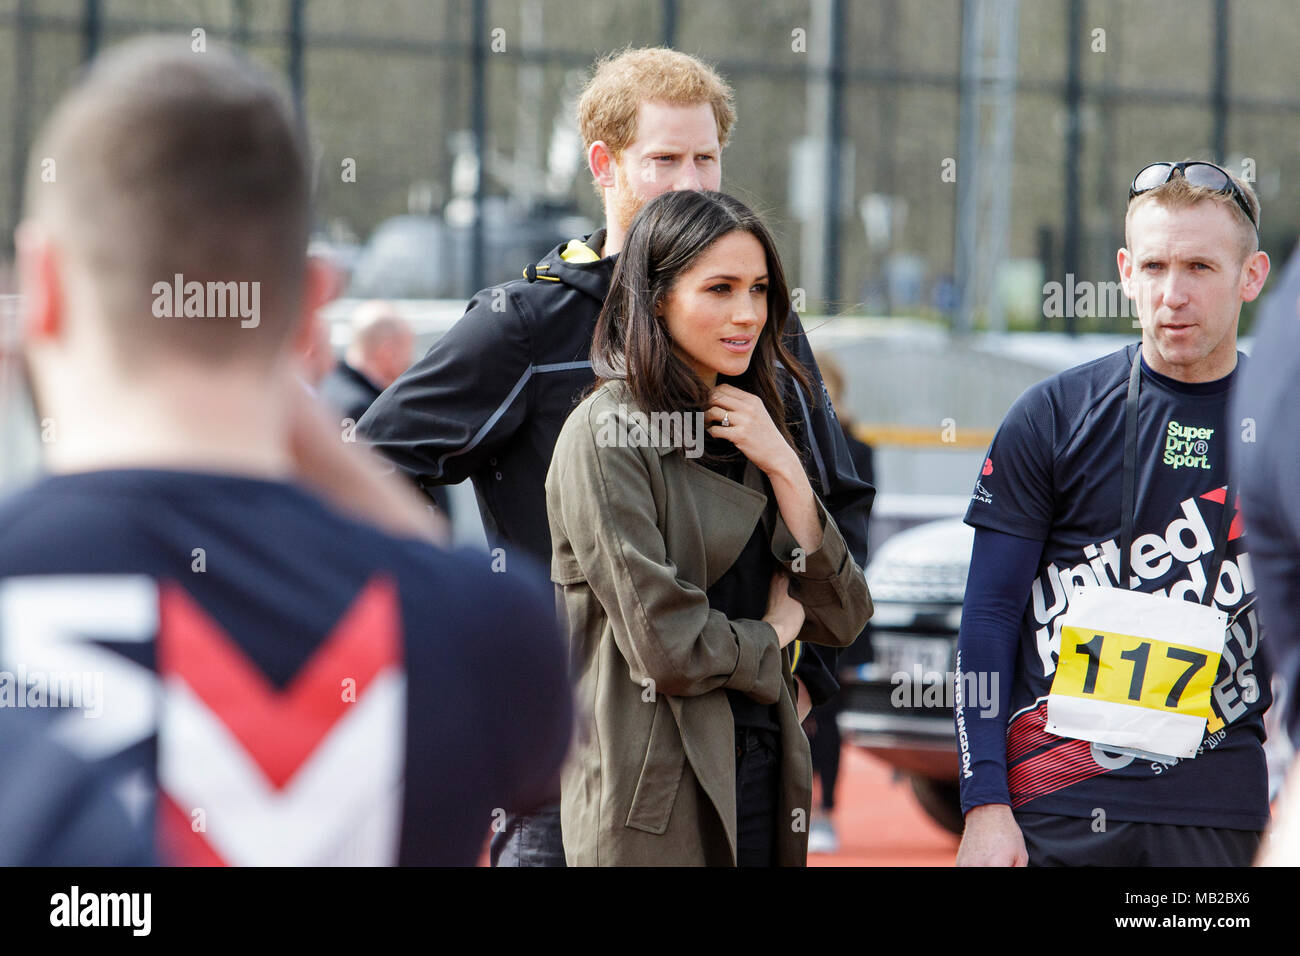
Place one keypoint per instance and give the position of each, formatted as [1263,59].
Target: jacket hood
[577,263]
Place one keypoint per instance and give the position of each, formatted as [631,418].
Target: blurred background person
[379,351]
[822,725]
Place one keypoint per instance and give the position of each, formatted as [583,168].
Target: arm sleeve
[603,503]
[1002,569]
[827,582]
[457,406]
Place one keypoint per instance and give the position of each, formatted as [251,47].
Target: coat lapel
[726,512]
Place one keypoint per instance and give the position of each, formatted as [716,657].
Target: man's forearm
[1002,570]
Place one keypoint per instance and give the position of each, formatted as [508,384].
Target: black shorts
[1071,841]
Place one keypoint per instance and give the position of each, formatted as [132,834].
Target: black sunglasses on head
[1198,174]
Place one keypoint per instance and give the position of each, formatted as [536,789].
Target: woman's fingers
[716,413]
[728,396]
[725,391]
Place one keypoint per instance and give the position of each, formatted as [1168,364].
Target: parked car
[425,257]
[898,701]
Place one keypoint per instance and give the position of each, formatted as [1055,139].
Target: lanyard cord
[1130,493]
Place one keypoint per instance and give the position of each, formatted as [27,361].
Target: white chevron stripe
[343,806]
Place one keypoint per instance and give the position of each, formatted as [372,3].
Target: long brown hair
[631,342]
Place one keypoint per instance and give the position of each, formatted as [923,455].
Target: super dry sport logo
[1187,446]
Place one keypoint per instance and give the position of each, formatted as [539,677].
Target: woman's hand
[784,613]
[750,428]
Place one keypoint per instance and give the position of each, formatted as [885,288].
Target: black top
[741,592]
[349,391]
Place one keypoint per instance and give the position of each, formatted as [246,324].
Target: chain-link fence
[1038,113]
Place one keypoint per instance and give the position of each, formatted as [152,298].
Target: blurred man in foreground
[212,664]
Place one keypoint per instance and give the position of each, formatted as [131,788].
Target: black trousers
[826,745]
[1071,841]
[758,780]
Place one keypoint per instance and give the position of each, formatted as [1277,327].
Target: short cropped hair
[1178,193]
[170,162]
[621,82]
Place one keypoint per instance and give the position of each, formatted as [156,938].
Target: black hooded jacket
[489,398]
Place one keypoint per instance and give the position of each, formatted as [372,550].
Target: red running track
[878,821]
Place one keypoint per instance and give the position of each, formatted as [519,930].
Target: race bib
[1135,671]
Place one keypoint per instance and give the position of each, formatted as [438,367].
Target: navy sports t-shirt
[236,673]
[1054,474]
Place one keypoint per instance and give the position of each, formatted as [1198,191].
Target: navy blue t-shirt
[1054,474]
[236,673]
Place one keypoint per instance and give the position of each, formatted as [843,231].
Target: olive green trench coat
[639,534]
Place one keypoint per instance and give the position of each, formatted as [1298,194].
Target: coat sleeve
[603,504]
[457,406]
[827,582]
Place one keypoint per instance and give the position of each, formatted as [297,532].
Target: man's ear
[1124,260]
[38,284]
[1253,274]
[321,284]
[601,161]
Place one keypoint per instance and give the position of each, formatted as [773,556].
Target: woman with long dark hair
[691,552]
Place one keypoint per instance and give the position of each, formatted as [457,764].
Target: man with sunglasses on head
[1110,591]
